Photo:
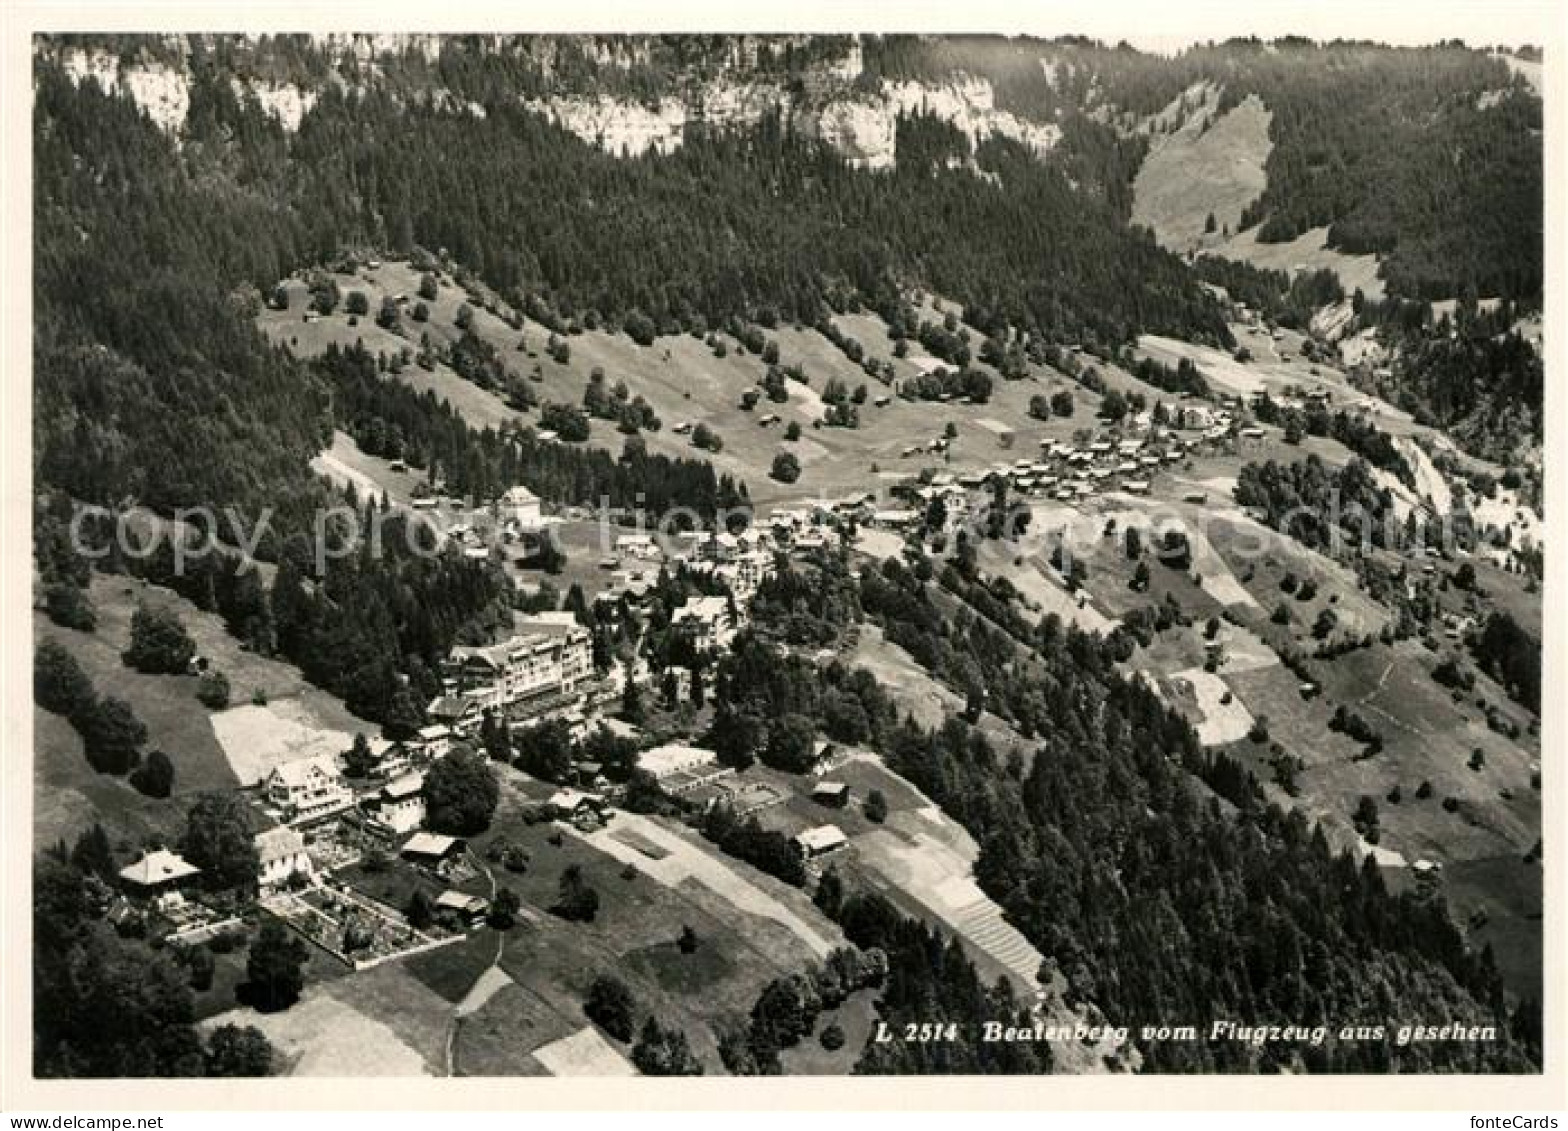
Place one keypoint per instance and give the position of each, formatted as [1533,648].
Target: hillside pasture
[204,745]
[1213,165]
[1307,252]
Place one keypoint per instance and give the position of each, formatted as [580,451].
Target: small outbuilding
[815,843]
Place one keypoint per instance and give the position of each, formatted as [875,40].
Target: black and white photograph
[821,554]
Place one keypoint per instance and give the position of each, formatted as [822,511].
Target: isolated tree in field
[390,314]
[213,690]
[1132,543]
[159,642]
[464,317]
[68,606]
[238,1050]
[503,912]
[876,807]
[687,942]
[791,433]
[460,795]
[324,295]
[59,684]
[611,1006]
[112,735]
[576,900]
[664,1052]
[1365,818]
[1210,225]
[829,896]
[155,776]
[1062,403]
[359,762]
[220,841]
[419,911]
[1113,406]
[427,287]
[275,967]
[786,468]
[356,303]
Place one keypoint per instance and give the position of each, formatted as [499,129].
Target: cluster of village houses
[1127,459]
[543,671]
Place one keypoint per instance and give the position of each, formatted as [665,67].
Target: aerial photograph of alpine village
[806,555]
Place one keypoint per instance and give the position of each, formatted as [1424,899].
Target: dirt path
[490,982]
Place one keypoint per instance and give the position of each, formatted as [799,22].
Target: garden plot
[349,928]
[1204,693]
[257,738]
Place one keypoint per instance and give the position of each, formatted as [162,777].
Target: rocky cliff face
[862,126]
[824,100]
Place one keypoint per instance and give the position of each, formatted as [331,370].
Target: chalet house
[542,666]
[894,518]
[158,872]
[815,843]
[468,911]
[398,807]
[462,714]
[520,507]
[432,742]
[585,810]
[833,794]
[825,756]
[434,851]
[1196,416]
[307,789]
[707,621]
[639,546]
[281,854]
